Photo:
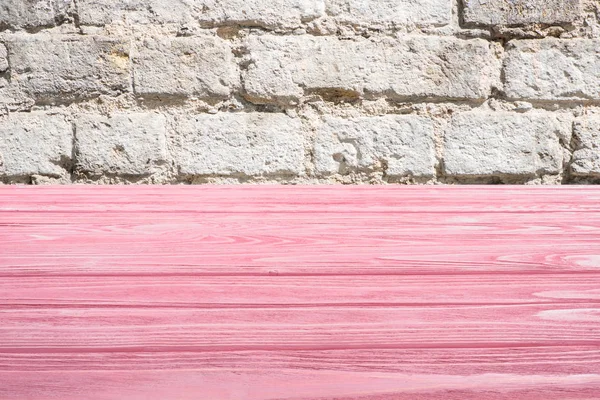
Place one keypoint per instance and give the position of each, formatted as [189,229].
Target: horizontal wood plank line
[259,306]
[300,291]
[295,199]
[300,385]
[97,329]
[375,273]
[297,347]
[517,360]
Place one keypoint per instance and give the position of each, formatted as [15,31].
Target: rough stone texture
[239,143]
[193,67]
[32,14]
[61,68]
[586,157]
[381,13]
[35,144]
[101,12]
[300,91]
[283,69]
[3,58]
[501,143]
[12,97]
[264,13]
[402,145]
[520,12]
[553,69]
[6,97]
[127,144]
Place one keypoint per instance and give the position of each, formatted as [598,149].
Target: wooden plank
[330,199]
[296,384]
[318,327]
[299,292]
[269,243]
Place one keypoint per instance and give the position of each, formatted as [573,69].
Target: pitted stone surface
[263,13]
[285,68]
[520,12]
[3,58]
[586,157]
[35,144]
[239,143]
[201,67]
[59,68]
[403,144]
[553,69]
[33,14]
[125,143]
[101,12]
[501,143]
[382,13]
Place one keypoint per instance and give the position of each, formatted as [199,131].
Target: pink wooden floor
[212,293]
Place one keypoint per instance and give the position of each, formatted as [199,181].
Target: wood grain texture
[303,293]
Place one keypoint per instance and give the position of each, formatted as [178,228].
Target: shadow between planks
[299,292]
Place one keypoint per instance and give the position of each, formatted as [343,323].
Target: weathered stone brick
[503,143]
[124,144]
[553,69]
[31,14]
[586,155]
[64,68]
[264,13]
[284,68]
[35,144]
[520,12]
[402,143]
[239,143]
[12,97]
[3,58]
[202,67]
[385,13]
[102,12]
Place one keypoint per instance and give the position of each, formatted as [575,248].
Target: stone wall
[300,91]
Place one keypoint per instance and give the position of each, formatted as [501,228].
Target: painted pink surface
[300,293]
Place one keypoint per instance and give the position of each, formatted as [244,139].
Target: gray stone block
[520,12]
[201,67]
[264,13]
[122,144]
[553,69]
[389,13]
[503,143]
[239,143]
[285,68]
[65,68]
[404,144]
[35,144]
[33,14]
[586,155]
